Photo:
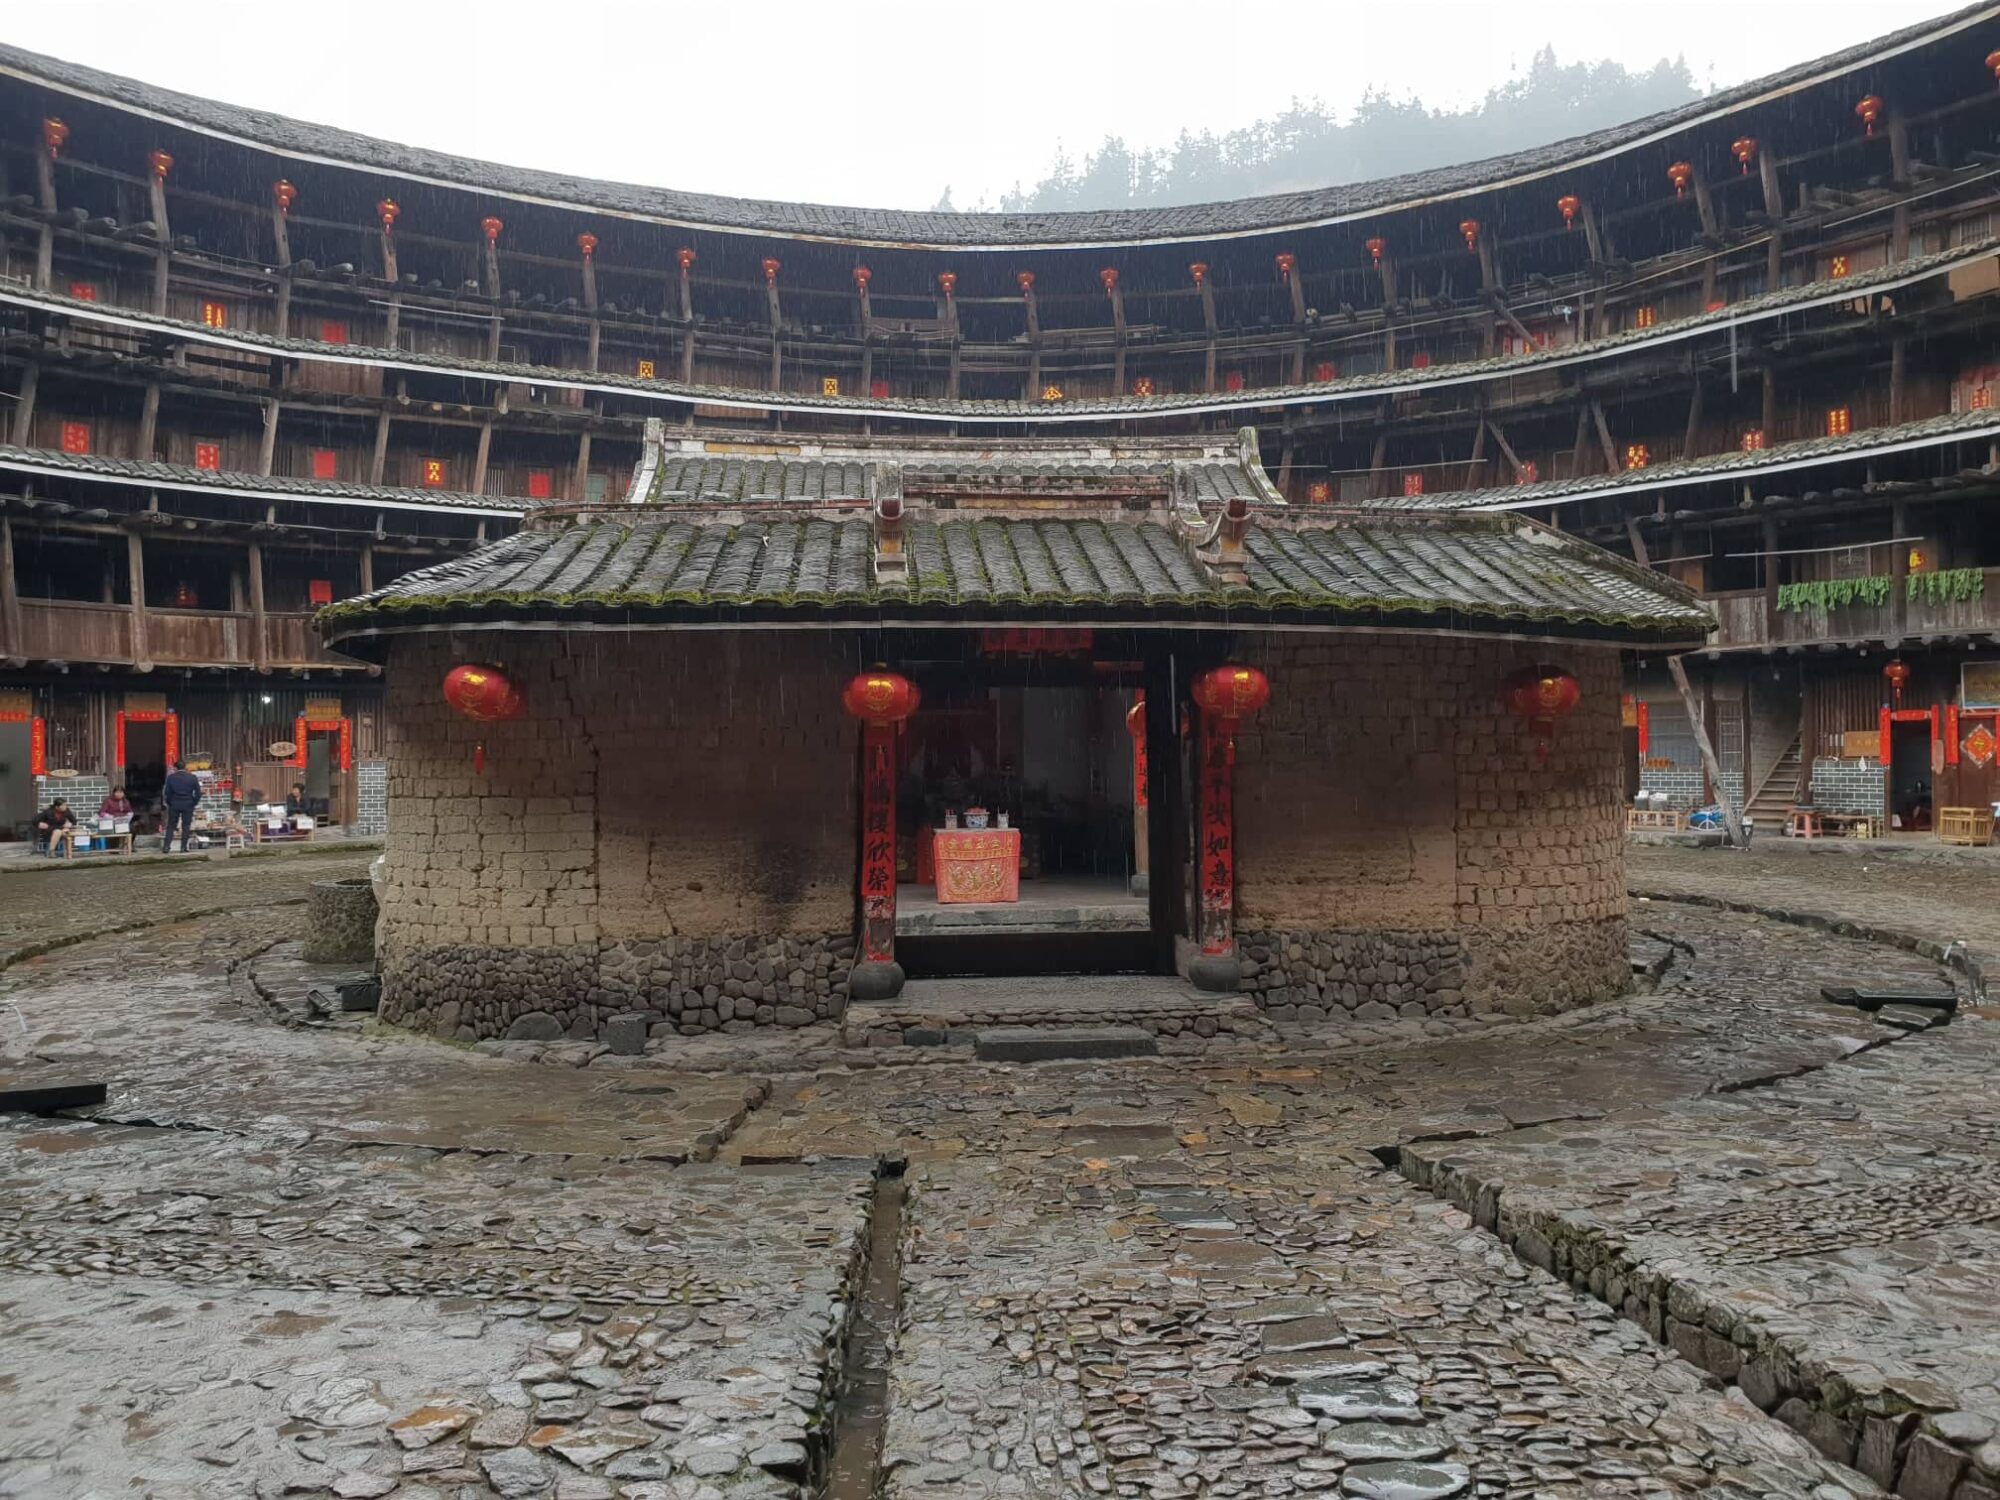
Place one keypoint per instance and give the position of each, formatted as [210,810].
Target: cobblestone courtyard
[1717,1238]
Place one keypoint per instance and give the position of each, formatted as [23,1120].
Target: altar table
[977,864]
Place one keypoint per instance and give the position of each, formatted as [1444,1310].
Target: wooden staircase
[1772,804]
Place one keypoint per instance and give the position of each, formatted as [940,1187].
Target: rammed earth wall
[1400,848]
[668,832]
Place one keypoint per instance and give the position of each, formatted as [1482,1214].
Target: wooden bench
[1965,825]
[1659,820]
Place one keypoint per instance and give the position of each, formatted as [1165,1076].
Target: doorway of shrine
[1022,814]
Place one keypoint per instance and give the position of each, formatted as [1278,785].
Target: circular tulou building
[732,609]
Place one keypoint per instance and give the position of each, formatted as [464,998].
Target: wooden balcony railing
[65,630]
[1746,618]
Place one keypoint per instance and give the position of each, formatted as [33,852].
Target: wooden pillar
[1208,329]
[367,570]
[393,316]
[777,324]
[13,638]
[878,843]
[1611,461]
[281,233]
[1769,415]
[579,489]
[1217,967]
[1594,237]
[1704,205]
[1135,726]
[1771,625]
[135,570]
[260,646]
[1899,569]
[1692,436]
[378,460]
[479,458]
[24,407]
[156,182]
[45,242]
[267,446]
[1896,378]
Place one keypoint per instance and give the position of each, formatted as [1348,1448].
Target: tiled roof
[889,226]
[1862,442]
[148,473]
[1471,572]
[1371,386]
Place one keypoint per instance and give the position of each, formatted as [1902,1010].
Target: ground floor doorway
[1911,777]
[1022,812]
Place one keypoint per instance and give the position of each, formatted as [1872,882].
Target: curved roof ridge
[306,140]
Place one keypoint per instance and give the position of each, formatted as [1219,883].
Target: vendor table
[263,833]
[109,841]
[977,864]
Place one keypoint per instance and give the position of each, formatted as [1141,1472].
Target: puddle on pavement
[289,1325]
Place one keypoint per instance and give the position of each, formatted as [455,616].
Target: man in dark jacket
[178,795]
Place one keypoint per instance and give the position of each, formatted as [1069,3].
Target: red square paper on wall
[326,464]
[76,437]
[319,591]
[541,484]
[208,456]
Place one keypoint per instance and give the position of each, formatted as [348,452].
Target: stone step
[949,1012]
[1058,1043]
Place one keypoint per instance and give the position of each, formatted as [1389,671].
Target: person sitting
[55,825]
[178,796]
[295,801]
[117,805]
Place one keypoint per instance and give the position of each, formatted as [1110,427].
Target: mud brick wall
[667,832]
[1400,848]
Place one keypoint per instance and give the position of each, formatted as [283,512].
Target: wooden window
[1413,484]
[207,455]
[83,291]
[1645,317]
[332,331]
[1753,440]
[325,464]
[1637,455]
[645,369]
[214,315]
[1839,422]
[541,484]
[433,473]
[76,437]
[319,591]
[596,487]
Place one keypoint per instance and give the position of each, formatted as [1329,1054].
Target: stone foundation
[686,986]
[340,922]
[1376,976]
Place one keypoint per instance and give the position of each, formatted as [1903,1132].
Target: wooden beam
[267,445]
[1899,568]
[24,406]
[378,460]
[135,574]
[45,243]
[1897,383]
[1693,433]
[1478,457]
[1598,242]
[1770,577]
[1506,448]
[1578,446]
[579,490]
[1769,413]
[260,646]
[480,457]
[13,639]
[1377,461]
[1704,205]
[162,257]
[281,235]
[367,570]
[1732,821]
[1604,437]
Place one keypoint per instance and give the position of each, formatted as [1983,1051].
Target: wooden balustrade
[64,630]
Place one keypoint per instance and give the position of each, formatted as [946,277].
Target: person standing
[179,795]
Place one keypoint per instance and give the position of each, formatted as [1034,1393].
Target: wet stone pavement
[295,1259]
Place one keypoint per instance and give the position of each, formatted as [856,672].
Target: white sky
[880,102]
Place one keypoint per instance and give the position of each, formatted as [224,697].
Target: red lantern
[1286,261]
[1025,280]
[1870,110]
[1199,271]
[1993,65]
[587,243]
[492,226]
[161,163]
[1567,205]
[1744,148]
[1109,276]
[1898,674]
[387,211]
[862,276]
[54,133]
[684,258]
[1680,174]
[770,271]
[948,282]
[1376,245]
[1543,695]
[880,698]
[1231,692]
[1469,228]
[483,693]
[284,195]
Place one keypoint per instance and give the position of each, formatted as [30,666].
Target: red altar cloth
[977,864]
